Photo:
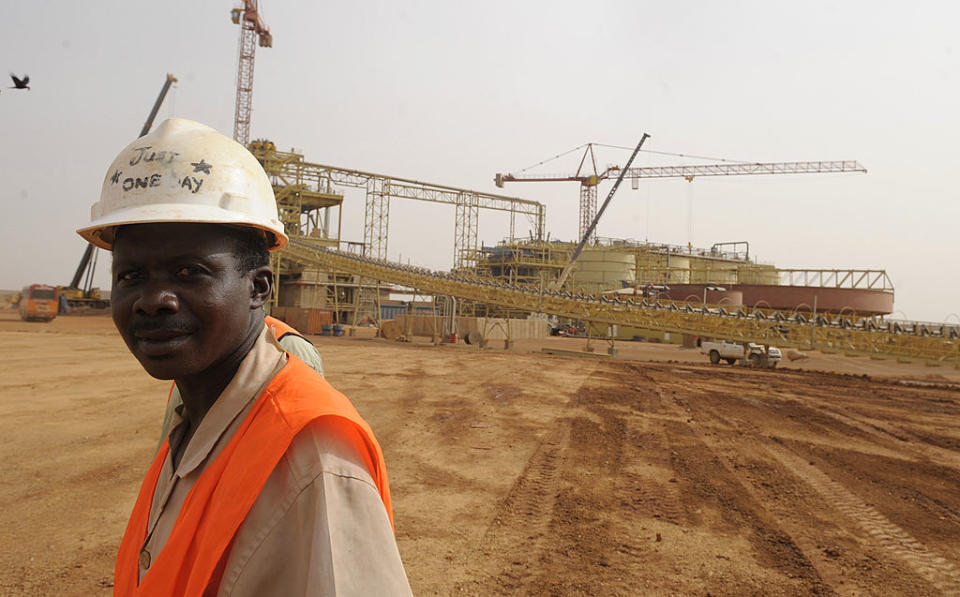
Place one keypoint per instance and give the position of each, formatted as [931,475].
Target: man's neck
[200,391]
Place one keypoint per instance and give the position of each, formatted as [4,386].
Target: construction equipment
[591,229]
[589,179]
[38,302]
[87,297]
[252,28]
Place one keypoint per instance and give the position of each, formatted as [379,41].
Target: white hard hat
[184,171]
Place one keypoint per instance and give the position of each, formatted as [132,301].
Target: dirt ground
[524,473]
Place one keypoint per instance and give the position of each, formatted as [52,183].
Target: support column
[588,210]
[465,229]
[377,218]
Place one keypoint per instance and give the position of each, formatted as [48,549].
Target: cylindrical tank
[600,269]
[662,268]
[758,274]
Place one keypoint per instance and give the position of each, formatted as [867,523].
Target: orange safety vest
[226,490]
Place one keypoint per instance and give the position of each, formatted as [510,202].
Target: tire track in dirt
[883,534]
[891,435]
[831,571]
[663,501]
[923,560]
[771,534]
[522,521]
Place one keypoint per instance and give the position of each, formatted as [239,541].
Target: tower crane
[589,176]
[252,28]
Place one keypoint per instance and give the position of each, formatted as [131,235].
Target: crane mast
[253,31]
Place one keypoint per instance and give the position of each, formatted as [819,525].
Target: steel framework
[466,223]
[589,181]
[847,332]
[874,279]
[588,211]
[252,30]
[288,168]
[744,169]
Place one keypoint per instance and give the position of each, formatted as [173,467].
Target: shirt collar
[255,372]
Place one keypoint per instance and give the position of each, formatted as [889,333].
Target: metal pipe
[156,105]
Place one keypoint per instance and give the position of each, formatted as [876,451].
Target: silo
[758,274]
[600,268]
[712,271]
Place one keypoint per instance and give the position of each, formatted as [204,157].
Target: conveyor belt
[844,332]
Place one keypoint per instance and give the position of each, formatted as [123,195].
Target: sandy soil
[533,474]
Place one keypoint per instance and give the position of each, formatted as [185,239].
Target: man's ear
[262,286]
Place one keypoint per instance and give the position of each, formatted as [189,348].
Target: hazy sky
[454,92]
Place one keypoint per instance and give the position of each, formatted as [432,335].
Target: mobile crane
[85,297]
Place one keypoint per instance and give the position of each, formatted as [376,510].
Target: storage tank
[758,274]
[601,269]
[712,271]
[662,268]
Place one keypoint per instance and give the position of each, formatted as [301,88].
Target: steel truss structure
[874,279]
[588,211]
[589,181]
[843,332]
[744,169]
[290,169]
[252,31]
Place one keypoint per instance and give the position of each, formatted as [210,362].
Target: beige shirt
[318,526]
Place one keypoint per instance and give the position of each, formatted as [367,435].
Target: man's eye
[187,271]
[127,276]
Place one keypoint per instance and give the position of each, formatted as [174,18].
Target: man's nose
[157,297]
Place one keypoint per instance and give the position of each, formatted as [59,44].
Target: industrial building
[725,274]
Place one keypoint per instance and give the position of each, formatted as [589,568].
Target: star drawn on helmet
[201,166]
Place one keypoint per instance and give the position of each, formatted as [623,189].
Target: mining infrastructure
[609,459]
[619,289]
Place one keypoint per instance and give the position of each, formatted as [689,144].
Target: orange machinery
[38,302]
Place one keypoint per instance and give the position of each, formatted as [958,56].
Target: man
[269,482]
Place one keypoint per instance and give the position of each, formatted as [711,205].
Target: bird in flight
[18,83]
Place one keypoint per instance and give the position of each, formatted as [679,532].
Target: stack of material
[390,330]
[795,355]
[305,321]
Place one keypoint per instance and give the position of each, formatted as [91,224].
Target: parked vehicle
[754,355]
[568,329]
[38,302]
[655,290]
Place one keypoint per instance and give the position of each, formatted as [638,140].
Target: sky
[453,93]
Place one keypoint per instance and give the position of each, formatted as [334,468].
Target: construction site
[551,423]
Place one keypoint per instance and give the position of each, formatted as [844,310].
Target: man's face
[178,299]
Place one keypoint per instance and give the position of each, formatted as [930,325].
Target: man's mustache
[165,324]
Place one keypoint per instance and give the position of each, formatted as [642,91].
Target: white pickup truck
[753,354]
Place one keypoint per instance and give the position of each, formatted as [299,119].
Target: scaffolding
[290,169]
